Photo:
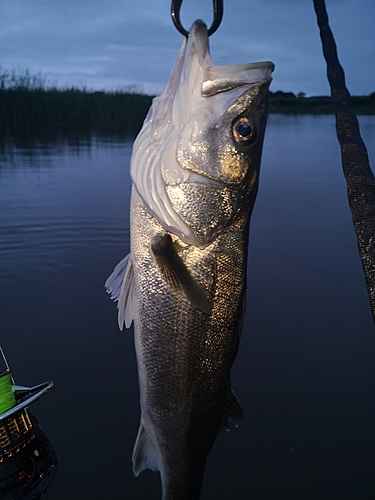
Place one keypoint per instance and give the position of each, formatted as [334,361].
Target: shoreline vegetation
[31,109]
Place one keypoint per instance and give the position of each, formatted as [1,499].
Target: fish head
[227,149]
[196,161]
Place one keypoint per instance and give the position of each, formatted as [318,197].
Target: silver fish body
[195,171]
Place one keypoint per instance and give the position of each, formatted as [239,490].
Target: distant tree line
[289,103]
[35,109]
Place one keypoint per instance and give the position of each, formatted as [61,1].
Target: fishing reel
[27,459]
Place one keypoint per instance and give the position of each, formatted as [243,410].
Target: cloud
[112,43]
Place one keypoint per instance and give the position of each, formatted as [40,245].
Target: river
[305,372]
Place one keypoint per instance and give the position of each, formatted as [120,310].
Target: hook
[218,16]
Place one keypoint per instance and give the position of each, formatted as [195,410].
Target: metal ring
[218,16]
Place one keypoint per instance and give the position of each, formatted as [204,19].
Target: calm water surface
[305,373]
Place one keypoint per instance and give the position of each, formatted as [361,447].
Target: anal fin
[232,412]
[144,453]
[175,272]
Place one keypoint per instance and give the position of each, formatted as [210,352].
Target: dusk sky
[111,44]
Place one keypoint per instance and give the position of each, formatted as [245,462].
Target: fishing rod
[218,16]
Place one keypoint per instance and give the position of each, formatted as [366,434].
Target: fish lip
[198,39]
[198,26]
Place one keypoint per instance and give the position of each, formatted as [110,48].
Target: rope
[355,163]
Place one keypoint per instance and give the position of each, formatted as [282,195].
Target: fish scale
[195,171]
[186,358]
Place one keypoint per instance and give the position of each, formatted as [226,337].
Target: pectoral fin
[175,272]
[121,287]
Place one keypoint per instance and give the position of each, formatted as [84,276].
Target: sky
[132,44]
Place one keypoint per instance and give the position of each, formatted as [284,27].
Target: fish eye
[244,131]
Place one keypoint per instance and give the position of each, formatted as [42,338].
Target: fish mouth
[198,35]
[223,78]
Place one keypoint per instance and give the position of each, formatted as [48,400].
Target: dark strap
[355,163]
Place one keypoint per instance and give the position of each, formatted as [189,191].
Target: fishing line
[7,397]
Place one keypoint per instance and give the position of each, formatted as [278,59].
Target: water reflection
[53,206]
[305,370]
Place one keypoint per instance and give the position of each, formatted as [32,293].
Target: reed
[31,107]
[43,113]
[35,109]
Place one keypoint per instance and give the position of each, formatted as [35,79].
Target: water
[305,373]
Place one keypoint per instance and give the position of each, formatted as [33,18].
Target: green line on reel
[7,397]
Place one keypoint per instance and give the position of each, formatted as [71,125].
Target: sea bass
[195,169]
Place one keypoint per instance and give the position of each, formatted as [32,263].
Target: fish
[195,173]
